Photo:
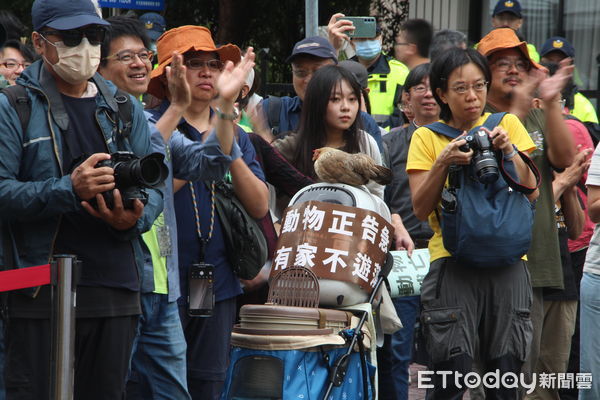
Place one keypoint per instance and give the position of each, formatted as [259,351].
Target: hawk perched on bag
[337,166]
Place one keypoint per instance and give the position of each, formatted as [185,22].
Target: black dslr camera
[133,174]
[483,161]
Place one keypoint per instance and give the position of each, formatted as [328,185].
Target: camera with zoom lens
[133,174]
[484,160]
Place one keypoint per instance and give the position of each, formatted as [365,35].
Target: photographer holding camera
[50,178]
[464,304]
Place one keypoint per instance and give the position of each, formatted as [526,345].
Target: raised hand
[573,174]
[179,88]
[259,124]
[233,78]
[338,29]
[550,88]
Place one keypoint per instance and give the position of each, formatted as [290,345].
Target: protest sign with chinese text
[408,272]
[336,242]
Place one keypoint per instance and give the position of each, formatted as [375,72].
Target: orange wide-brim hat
[183,39]
[502,39]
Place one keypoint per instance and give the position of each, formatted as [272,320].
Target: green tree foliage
[274,25]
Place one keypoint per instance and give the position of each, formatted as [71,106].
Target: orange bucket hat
[501,39]
[183,39]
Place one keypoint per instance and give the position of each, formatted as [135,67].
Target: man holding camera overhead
[49,183]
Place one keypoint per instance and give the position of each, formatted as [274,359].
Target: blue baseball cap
[557,43]
[63,15]
[154,23]
[511,6]
[315,46]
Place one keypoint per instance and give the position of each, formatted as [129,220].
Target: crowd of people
[83,88]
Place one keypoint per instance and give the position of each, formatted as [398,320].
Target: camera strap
[203,241]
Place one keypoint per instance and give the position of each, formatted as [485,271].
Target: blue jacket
[190,161]
[33,191]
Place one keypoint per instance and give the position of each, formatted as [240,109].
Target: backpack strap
[273,114]
[490,123]
[18,99]
[443,129]
[493,120]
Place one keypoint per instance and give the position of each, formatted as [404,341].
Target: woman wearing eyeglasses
[465,307]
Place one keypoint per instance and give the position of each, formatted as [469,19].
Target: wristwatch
[228,117]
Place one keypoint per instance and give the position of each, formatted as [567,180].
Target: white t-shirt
[592,258]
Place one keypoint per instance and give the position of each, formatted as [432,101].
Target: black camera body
[484,161]
[133,174]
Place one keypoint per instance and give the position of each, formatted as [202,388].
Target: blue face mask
[368,49]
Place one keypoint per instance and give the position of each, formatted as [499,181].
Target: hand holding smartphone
[364,27]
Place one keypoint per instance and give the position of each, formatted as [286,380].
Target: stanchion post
[64,276]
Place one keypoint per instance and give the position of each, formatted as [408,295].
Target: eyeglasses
[72,37]
[420,89]
[301,73]
[477,86]
[504,65]
[401,43]
[197,63]
[127,56]
[563,103]
[14,64]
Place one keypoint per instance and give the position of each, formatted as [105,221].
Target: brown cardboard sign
[336,242]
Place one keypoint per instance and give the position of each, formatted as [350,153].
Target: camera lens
[486,167]
[150,172]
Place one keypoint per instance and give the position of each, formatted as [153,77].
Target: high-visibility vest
[583,109]
[533,54]
[383,89]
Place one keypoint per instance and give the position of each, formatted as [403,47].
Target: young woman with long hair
[329,119]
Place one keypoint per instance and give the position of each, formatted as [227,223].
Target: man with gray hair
[444,40]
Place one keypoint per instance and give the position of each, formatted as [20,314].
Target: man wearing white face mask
[49,181]
[386,75]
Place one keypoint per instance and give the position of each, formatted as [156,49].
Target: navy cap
[557,43]
[62,15]
[154,23]
[511,6]
[315,46]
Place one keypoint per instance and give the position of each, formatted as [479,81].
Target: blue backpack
[486,225]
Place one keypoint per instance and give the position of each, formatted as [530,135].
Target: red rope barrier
[24,278]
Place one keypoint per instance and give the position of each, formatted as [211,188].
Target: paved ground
[415,393]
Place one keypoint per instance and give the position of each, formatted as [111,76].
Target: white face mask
[76,64]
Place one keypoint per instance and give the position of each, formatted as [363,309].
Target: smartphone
[201,295]
[364,27]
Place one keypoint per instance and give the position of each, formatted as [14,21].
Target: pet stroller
[289,348]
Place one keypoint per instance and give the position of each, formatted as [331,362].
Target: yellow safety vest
[583,109]
[383,89]
[533,54]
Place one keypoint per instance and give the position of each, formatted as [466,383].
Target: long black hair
[312,132]
[445,64]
